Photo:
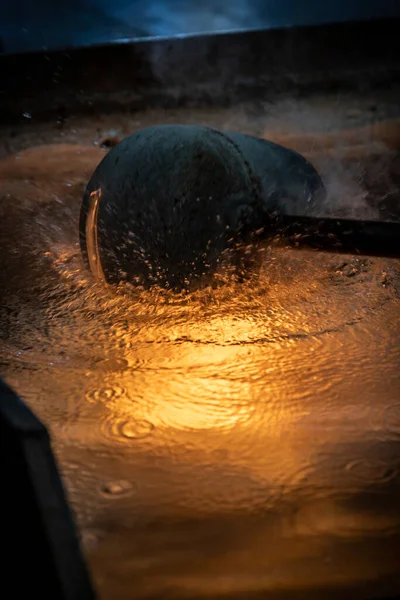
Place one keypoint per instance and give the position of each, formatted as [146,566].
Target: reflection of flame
[242,369]
[203,400]
[196,396]
[199,396]
[91,235]
[203,386]
[197,415]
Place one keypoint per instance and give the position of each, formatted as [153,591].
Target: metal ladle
[167,202]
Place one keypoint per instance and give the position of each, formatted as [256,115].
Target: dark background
[32,25]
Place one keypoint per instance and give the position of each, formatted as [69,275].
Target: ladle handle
[374,238]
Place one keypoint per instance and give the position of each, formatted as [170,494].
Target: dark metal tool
[169,201]
[41,553]
[371,238]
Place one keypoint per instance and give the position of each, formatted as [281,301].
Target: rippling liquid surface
[235,442]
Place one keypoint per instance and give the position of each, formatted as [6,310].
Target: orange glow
[207,386]
[91,235]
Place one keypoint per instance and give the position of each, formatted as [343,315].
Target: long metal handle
[373,238]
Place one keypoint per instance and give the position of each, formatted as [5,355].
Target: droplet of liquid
[121,430]
[116,489]
[136,429]
[105,394]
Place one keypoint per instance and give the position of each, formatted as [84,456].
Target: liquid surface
[235,442]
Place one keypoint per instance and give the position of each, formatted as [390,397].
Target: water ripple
[372,471]
[391,421]
[106,394]
[126,430]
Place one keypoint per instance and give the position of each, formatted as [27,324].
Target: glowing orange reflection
[197,385]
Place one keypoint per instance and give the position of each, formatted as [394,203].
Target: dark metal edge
[216,69]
